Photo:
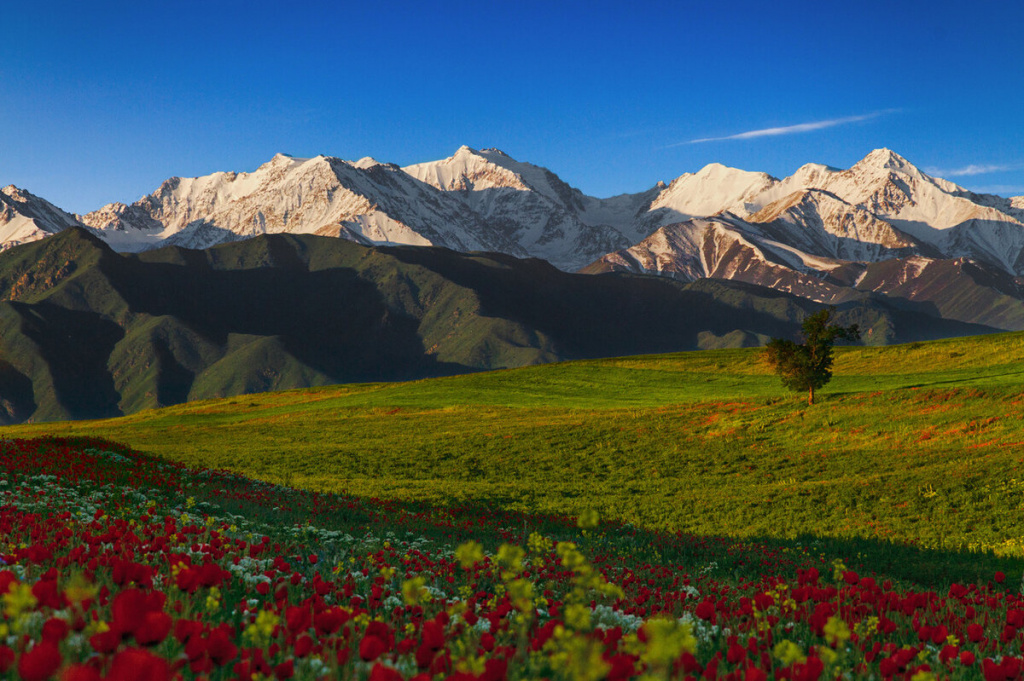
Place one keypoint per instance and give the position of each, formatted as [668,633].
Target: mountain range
[86,332]
[825,234]
[314,271]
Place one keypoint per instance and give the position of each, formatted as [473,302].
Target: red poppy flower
[55,630]
[40,663]
[371,647]
[382,673]
[80,672]
[220,647]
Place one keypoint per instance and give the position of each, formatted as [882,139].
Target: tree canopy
[808,365]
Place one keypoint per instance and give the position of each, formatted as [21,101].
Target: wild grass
[919,443]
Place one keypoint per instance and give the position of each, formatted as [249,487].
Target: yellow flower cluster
[539,544]
[469,554]
[667,639]
[213,600]
[579,658]
[836,631]
[18,599]
[260,632]
[588,519]
[787,652]
[414,591]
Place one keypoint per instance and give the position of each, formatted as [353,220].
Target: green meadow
[919,443]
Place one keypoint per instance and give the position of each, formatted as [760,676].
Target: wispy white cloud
[790,129]
[974,169]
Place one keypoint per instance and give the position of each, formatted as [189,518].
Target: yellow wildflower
[79,590]
[18,599]
[213,600]
[469,554]
[577,616]
[588,519]
[570,555]
[510,558]
[259,632]
[787,652]
[836,631]
[827,655]
[538,543]
[414,591]
[667,639]
[521,592]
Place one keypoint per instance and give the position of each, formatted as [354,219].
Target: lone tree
[808,365]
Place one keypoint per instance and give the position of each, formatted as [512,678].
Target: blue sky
[102,101]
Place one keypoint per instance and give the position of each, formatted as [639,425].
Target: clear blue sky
[101,101]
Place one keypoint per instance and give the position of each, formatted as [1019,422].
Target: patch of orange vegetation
[934,408]
[868,396]
[731,407]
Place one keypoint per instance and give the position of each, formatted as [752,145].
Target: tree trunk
[810,397]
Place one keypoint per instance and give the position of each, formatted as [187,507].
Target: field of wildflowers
[915,444]
[115,565]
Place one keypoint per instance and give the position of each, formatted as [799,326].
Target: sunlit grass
[916,442]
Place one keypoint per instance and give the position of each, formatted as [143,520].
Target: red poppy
[40,663]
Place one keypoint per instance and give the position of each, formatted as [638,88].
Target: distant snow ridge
[818,220]
[364,201]
[718,221]
[25,217]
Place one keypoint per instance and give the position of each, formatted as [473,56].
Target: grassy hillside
[917,442]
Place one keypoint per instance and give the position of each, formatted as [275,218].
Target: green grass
[919,442]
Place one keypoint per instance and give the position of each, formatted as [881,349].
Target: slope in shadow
[330,320]
[17,401]
[75,346]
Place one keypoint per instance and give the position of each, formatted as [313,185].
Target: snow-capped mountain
[816,233]
[534,207]
[820,218]
[474,200]
[365,201]
[25,217]
[882,207]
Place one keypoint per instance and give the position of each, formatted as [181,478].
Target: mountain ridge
[812,233]
[86,332]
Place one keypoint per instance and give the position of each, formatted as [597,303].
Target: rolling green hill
[89,333]
[920,442]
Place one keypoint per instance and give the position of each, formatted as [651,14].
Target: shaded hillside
[88,333]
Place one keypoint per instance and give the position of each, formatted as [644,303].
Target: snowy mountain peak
[885,158]
[281,161]
[487,200]
[713,189]
[471,170]
[25,217]
[366,162]
[810,174]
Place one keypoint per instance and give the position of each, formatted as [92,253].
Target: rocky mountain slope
[822,233]
[825,233]
[25,218]
[880,208]
[86,332]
